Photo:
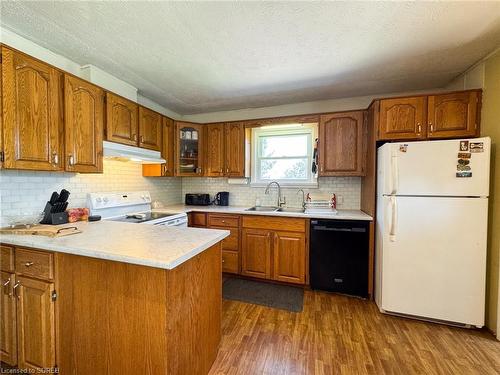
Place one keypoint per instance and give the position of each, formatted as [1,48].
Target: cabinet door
[214,165]
[289,257]
[35,324]
[402,118]
[168,146]
[8,339]
[32,113]
[189,149]
[256,253]
[121,120]
[84,121]
[167,152]
[341,144]
[150,129]
[453,115]
[235,150]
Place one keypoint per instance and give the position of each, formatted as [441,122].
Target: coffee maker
[222,198]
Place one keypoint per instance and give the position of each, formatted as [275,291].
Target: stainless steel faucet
[281,203]
[303,197]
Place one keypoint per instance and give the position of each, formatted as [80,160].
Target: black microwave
[197,200]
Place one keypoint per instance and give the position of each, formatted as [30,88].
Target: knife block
[53,218]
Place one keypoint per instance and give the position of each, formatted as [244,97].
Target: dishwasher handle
[336,229]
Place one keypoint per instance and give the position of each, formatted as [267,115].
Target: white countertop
[340,215]
[143,244]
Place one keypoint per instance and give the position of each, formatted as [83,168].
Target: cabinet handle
[71,159]
[141,139]
[28,264]
[134,137]
[14,289]
[4,286]
[431,126]
[55,158]
[419,128]
[223,261]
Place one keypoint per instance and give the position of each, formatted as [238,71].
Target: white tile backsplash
[348,190]
[25,192]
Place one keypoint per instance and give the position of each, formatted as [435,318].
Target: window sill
[309,185]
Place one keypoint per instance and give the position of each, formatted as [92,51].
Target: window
[283,153]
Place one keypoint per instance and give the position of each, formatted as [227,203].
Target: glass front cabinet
[189,149]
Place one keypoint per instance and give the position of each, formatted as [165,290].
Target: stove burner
[140,216]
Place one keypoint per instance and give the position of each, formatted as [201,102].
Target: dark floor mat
[272,295]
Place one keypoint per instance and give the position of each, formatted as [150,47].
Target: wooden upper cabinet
[150,129]
[256,247]
[403,118]
[167,150]
[122,124]
[35,324]
[32,113]
[289,257]
[235,149]
[84,125]
[214,164]
[189,149]
[8,332]
[454,115]
[341,144]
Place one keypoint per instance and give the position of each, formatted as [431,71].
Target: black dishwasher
[339,256]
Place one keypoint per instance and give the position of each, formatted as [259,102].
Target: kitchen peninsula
[117,298]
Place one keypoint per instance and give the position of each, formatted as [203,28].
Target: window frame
[310,129]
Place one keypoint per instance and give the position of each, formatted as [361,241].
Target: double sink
[276,209]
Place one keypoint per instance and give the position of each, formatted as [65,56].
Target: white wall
[24,193]
[331,105]
[92,73]
[347,189]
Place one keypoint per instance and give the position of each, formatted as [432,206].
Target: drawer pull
[28,264]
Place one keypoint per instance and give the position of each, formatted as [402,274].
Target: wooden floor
[342,335]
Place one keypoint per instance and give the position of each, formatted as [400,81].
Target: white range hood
[123,152]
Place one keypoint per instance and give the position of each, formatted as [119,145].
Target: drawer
[198,219]
[39,264]
[289,224]
[7,258]
[229,261]
[232,242]
[224,220]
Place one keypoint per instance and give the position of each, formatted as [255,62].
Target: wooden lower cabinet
[230,261]
[289,254]
[27,303]
[256,246]
[35,324]
[8,333]
[278,252]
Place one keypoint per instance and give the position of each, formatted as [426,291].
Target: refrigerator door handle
[394,174]
[394,219]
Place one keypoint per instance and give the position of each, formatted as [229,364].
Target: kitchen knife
[63,196]
[53,198]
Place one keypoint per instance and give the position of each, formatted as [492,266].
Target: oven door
[178,222]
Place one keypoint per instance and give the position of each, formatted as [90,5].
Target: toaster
[197,200]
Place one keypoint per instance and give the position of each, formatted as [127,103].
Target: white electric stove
[132,207]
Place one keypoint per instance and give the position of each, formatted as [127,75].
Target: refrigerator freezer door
[430,168]
[432,258]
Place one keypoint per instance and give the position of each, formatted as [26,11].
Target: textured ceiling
[195,57]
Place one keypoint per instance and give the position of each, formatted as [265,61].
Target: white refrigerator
[432,218]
